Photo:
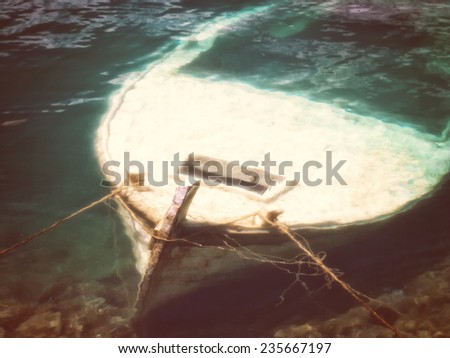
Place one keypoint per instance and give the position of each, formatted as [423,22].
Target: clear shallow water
[62,60]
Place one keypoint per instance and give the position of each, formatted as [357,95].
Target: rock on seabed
[41,325]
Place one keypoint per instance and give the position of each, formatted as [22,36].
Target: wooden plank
[174,217]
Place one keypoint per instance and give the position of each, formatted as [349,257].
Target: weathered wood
[174,216]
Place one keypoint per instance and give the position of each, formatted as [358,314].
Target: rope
[316,259]
[57,223]
[332,275]
[358,296]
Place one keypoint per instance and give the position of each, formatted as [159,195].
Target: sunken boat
[218,220]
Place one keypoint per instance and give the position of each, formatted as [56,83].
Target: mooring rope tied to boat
[316,259]
[303,245]
[59,222]
[330,274]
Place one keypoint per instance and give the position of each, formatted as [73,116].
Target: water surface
[61,61]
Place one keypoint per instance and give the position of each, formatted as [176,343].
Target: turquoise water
[61,61]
